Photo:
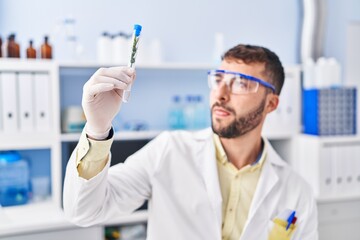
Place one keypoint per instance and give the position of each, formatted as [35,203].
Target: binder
[348,168]
[42,101]
[8,98]
[286,119]
[326,169]
[26,99]
[1,110]
[290,102]
[337,162]
[356,168]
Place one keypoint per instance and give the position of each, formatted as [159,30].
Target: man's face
[235,115]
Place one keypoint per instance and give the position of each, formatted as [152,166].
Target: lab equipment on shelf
[73,119]
[40,188]
[189,112]
[219,48]
[46,49]
[191,115]
[13,48]
[14,179]
[329,111]
[120,46]
[30,51]
[104,48]
[176,114]
[0,47]
[324,73]
[126,232]
[202,114]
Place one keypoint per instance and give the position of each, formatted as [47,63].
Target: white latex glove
[102,98]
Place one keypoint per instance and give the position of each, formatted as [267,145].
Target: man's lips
[220,112]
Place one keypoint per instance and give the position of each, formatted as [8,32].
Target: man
[221,183]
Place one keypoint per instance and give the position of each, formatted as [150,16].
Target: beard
[240,125]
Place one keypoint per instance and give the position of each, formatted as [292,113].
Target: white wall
[339,15]
[186,28]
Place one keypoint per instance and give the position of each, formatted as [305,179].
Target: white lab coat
[177,173]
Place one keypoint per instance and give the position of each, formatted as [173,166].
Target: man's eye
[218,80]
[240,83]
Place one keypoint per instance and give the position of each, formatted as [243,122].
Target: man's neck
[243,150]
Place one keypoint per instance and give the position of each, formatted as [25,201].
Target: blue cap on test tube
[137,29]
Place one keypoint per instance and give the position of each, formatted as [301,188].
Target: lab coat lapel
[206,163]
[268,180]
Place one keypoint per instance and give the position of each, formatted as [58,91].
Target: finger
[124,74]
[95,89]
[105,79]
[119,92]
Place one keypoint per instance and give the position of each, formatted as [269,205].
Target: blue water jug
[14,179]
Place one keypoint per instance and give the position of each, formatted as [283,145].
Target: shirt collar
[222,158]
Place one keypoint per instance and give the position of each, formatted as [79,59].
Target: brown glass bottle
[46,51]
[0,47]
[11,47]
[30,51]
[17,49]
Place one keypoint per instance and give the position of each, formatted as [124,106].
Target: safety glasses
[237,83]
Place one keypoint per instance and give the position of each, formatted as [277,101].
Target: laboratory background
[49,49]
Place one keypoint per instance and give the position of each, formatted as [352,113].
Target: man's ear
[272,102]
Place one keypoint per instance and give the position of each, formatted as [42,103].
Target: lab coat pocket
[277,230]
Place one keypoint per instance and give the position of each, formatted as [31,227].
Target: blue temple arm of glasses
[262,82]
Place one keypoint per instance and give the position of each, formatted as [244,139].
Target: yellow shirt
[92,155]
[237,190]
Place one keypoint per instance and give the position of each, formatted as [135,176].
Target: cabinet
[332,166]
[149,102]
[38,142]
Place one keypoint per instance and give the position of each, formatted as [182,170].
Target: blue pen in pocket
[290,219]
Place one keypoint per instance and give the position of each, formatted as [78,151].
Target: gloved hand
[102,98]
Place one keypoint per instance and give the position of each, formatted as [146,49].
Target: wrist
[96,135]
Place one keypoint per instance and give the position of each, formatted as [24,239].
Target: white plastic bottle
[218,47]
[176,114]
[334,72]
[120,49]
[201,114]
[320,73]
[189,112]
[155,52]
[70,39]
[104,48]
[309,74]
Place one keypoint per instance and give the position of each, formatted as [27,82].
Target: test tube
[135,44]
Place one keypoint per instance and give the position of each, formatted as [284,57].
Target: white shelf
[179,66]
[136,217]
[70,137]
[332,199]
[332,139]
[119,136]
[18,141]
[46,216]
[278,136]
[33,217]
[136,135]
[26,65]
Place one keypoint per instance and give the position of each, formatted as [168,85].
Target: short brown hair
[256,54]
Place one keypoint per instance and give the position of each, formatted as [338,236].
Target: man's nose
[223,92]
